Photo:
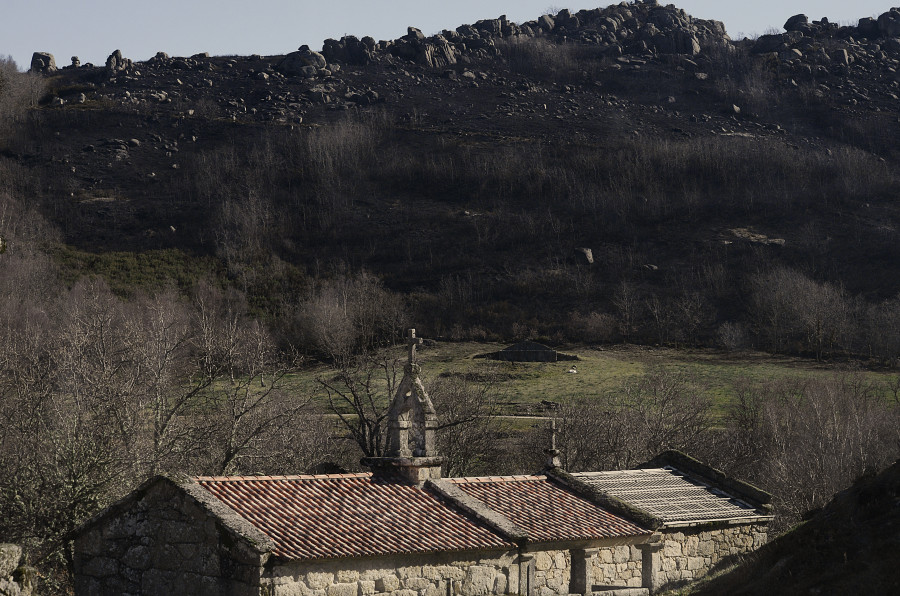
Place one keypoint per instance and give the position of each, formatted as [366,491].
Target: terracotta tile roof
[545,510]
[348,515]
[672,495]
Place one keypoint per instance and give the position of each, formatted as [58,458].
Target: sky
[92,29]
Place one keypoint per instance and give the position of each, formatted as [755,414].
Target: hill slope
[851,546]
[468,169]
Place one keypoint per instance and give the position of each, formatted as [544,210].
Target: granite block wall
[163,543]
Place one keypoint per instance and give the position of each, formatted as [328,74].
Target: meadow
[526,388]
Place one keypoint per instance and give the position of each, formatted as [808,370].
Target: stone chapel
[403,530]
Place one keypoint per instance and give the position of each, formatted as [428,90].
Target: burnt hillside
[731,192]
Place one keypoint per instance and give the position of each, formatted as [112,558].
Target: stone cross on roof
[412,341]
[410,451]
[553,452]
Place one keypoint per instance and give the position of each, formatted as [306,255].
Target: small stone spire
[412,342]
[412,421]
[553,452]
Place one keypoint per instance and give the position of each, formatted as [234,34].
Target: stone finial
[552,452]
[412,422]
[412,342]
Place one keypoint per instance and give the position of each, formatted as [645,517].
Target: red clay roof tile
[546,511]
[348,515]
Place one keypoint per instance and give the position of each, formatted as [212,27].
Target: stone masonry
[618,566]
[687,554]
[453,574]
[472,574]
[691,553]
[552,571]
[164,541]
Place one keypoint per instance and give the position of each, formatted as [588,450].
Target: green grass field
[522,386]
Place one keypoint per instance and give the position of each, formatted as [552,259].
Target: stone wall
[687,554]
[552,571]
[691,553]
[446,574]
[469,574]
[162,542]
[618,566]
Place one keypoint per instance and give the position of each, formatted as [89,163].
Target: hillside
[470,170]
[851,546]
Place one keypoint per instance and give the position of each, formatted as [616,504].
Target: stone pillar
[526,575]
[399,441]
[651,563]
[582,579]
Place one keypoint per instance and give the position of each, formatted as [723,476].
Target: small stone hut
[402,530]
[528,351]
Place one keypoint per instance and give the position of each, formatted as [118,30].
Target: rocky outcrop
[889,23]
[436,51]
[43,62]
[810,49]
[16,579]
[349,50]
[116,62]
[304,62]
[799,22]
[618,29]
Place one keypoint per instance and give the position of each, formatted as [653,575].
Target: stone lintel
[597,543]
[498,522]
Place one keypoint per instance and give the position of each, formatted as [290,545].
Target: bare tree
[787,304]
[627,302]
[661,312]
[172,383]
[670,411]
[771,305]
[660,410]
[240,380]
[594,435]
[350,314]
[360,394]
[466,433]
[804,440]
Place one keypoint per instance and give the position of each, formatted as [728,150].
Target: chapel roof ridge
[245,478]
[510,478]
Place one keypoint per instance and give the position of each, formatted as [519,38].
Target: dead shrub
[593,327]
[805,441]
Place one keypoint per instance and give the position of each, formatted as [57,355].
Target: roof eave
[733,521]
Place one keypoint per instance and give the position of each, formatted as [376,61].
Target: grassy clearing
[522,386]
